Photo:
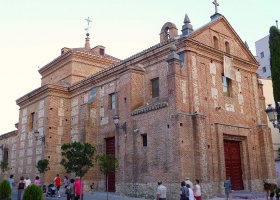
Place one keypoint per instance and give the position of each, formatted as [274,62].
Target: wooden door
[110,149]
[233,164]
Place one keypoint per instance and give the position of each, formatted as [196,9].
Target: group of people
[188,190]
[22,184]
[72,188]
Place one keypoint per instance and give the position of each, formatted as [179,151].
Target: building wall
[8,141]
[263,54]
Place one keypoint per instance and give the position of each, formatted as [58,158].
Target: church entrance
[233,163]
[110,149]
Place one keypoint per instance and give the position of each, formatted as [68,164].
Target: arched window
[227,47]
[216,42]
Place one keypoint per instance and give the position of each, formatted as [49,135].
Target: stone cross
[88,27]
[216,5]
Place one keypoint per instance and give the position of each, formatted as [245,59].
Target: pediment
[223,31]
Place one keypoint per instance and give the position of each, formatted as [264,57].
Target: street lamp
[116,119]
[272,114]
[39,138]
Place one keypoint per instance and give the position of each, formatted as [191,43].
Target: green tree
[107,164]
[43,165]
[274,46]
[5,190]
[4,165]
[77,157]
[33,192]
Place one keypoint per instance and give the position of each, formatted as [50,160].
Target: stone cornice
[149,108]
[7,135]
[75,56]
[41,91]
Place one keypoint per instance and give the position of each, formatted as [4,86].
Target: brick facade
[186,125]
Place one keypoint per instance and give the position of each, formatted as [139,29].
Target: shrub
[33,192]
[5,190]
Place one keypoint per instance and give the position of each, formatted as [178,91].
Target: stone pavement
[236,195]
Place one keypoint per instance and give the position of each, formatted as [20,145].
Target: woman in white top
[197,190]
[191,196]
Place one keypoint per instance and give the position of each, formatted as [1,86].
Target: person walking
[227,186]
[65,183]
[161,191]
[70,190]
[79,188]
[184,192]
[197,190]
[191,195]
[21,186]
[37,181]
[12,181]
[57,183]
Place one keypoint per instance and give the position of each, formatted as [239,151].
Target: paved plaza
[237,195]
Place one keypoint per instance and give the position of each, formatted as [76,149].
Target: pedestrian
[79,188]
[70,190]
[27,182]
[188,181]
[91,187]
[161,191]
[12,181]
[57,183]
[37,181]
[191,195]
[21,186]
[197,190]
[227,186]
[184,192]
[65,183]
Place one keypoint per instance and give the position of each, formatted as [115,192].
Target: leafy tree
[4,165]
[5,190]
[77,158]
[33,192]
[108,164]
[43,166]
[274,46]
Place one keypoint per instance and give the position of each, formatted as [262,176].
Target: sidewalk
[236,195]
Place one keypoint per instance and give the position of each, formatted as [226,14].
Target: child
[91,187]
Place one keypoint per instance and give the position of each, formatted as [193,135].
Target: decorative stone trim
[148,108]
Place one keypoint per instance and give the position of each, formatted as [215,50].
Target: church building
[189,106]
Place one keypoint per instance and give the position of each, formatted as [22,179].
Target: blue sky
[33,32]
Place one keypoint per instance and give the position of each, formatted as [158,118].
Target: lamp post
[39,138]
[116,119]
[274,115]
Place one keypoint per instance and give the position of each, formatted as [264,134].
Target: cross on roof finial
[216,5]
[88,27]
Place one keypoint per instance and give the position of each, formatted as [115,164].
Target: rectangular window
[262,54]
[226,86]
[155,87]
[264,69]
[32,121]
[112,101]
[5,154]
[144,140]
